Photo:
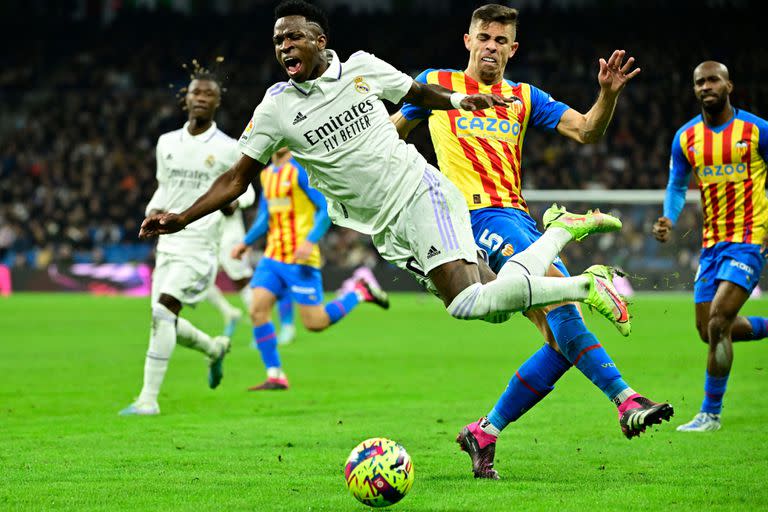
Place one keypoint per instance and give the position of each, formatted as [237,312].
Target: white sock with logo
[162,340]
[512,292]
[192,337]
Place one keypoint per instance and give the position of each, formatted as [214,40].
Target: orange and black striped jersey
[481,152]
[290,211]
[729,162]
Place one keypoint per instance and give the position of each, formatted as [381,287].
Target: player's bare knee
[453,277]
[170,302]
[259,314]
[718,326]
[314,318]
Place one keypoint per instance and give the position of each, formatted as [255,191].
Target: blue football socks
[530,384]
[340,308]
[584,351]
[265,340]
[285,311]
[714,389]
[759,327]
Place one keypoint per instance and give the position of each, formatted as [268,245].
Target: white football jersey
[187,166]
[337,127]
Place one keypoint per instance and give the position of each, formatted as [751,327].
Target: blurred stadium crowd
[82,104]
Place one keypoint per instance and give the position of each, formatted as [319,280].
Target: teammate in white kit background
[330,114]
[188,162]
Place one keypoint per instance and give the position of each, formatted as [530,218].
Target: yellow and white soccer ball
[379,472]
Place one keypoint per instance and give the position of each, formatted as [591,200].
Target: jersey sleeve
[411,111]
[545,110]
[260,223]
[263,134]
[157,202]
[394,83]
[322,221]
[762,143]
[679,169]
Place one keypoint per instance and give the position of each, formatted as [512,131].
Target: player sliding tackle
[331,116]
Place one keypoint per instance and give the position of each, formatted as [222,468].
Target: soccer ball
[379,472]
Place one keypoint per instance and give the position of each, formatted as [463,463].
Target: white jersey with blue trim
[338,129]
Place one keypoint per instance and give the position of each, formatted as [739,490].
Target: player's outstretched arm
[436,97]
[403,125]
[227,187]
[613,76]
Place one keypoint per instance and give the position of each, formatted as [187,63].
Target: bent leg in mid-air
[303,285]
[521,283]
[568,342]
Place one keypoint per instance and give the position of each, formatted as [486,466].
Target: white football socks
[275,372]
[516,292]
[192,337]
[220,302]
[521,285]
[162,340]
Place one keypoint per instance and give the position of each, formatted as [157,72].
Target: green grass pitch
[413,374]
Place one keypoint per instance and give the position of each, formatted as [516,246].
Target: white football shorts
[432,229]
[185,277]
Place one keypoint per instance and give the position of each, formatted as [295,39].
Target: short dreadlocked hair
[311,13]
[207,76]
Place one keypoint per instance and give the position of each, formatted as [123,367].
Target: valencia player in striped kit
[726,149]
[481,153]
[293,216]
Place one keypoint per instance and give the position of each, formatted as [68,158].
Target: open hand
[615,73]
[161,224]
[662,229]
[482,101]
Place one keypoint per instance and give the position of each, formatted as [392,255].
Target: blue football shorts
[304,284]
[738,263]
[503,232]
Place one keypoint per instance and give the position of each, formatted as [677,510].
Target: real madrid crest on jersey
[361,86]
[210,161]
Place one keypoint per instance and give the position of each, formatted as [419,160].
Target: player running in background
[726,148]
[480,153]
[188,161]
[240,272]
[293,216]
[331,115]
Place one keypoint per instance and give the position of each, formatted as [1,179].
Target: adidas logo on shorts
[432,252]
[299,118]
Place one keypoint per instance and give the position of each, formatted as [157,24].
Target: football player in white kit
[330,114]
[188,162]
